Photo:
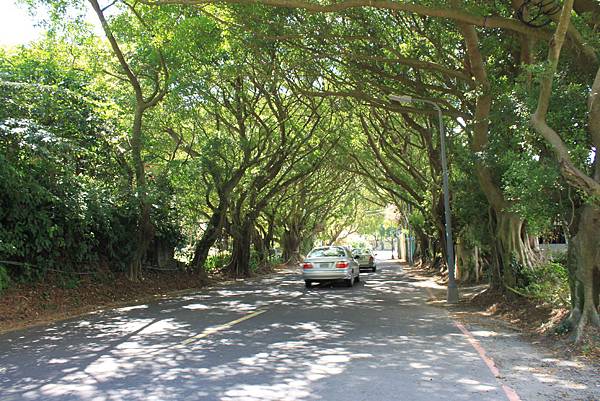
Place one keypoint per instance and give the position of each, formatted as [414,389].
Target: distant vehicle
[330,263]
[366,260]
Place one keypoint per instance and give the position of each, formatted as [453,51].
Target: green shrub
[549,283]
[255,261]
[217,262]
[4,279]
[68,281]
[275,260]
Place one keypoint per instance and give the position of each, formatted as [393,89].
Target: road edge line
[510,393]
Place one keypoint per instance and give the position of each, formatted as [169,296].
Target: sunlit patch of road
[270,339]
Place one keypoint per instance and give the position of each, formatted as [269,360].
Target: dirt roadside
[24,306]
[538,365]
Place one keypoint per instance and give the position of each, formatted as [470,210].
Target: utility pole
[452,295]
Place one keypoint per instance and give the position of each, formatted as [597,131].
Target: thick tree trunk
[437,262]
[585,272]
[144,236]
[209,237]
[291,245]
[463,264]
[585,245]
[478,270]
[260,245]
[422,251]
[513,248]
[440,226]
[239,266]
[434,257]
[144,229]
[468,266]
[267,240]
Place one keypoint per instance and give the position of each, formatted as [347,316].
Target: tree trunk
[209,237]
[586,243]
[144,236]
[534,244]
[435,259]
[144,229]
[439,221]
[259,243]
[268,238]
[468,263]
[291,245]
[465,263]
[477,264]
[513,249]
[584,270]
[239,266]
[422,248]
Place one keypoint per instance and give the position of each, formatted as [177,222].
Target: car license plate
[324,265]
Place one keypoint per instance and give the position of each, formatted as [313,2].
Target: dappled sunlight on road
[296,386]
[326,343]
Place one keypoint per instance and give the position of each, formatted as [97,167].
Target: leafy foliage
[549,283]
[240,127]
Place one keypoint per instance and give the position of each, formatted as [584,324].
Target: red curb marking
[510,393]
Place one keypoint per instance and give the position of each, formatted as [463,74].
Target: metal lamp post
[452,296]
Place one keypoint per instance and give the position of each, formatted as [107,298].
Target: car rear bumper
[338,274]
[366,265]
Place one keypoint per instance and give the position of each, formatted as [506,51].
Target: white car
[366,260]
[330,263]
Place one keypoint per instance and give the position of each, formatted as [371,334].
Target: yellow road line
[215,329]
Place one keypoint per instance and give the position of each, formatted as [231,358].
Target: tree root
[577,321]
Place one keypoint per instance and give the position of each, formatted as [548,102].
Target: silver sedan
[365,260]
[330,263]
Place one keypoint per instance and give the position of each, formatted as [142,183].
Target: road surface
[267,339]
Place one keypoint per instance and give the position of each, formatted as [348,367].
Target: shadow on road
[377,340]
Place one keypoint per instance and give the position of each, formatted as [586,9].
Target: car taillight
[342,265]
[307,265]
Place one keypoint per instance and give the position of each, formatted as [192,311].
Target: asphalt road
[269,339]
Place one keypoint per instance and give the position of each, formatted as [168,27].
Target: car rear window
[324,252]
